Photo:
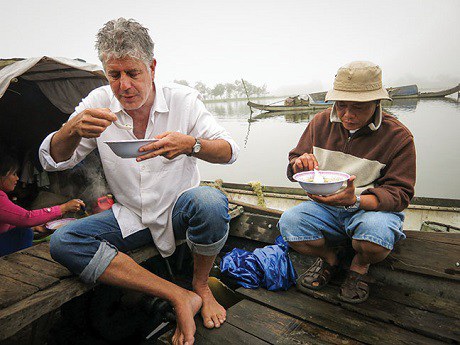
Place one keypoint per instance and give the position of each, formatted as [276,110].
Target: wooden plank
[408,295]
[334,318]
[235,211]
[38,264]
[12,291]
[21,314]
[423,322]
[26,275]
[418,299]
[141,254]
[41,250]
[227,334]
[278,328]
[440,237]
[258,209]
[255,227]
[426,257]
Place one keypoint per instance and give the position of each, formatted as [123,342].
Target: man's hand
[306,162]
[346,197]
[90,123]
[170,145]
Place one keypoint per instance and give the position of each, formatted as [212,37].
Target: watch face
[197,147]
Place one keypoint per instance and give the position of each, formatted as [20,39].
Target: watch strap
[354,206]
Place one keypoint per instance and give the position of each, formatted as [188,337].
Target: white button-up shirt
[146,191]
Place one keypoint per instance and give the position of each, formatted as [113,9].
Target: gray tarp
[63,81]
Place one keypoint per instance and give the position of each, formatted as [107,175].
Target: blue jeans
[87,246]
[15,239]
[310,221]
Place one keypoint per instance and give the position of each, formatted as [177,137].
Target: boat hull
[419,212]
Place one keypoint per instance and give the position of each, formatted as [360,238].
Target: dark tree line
[227,90]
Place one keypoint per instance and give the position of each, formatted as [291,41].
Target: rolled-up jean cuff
[100,261]
[207,249]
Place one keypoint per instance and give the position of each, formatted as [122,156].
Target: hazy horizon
[290,46]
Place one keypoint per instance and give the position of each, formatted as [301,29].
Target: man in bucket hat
[355,137]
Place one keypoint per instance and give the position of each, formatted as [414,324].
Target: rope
[257,188]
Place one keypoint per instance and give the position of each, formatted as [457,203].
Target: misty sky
[289,45]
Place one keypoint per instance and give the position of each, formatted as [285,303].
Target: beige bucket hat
[358,81]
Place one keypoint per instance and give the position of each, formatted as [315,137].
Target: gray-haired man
[158,194]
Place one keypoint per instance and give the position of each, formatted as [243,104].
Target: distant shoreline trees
[227,90]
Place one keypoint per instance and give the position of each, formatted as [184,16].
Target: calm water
[266,142]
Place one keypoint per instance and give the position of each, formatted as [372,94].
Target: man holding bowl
[357,138]
[158,195]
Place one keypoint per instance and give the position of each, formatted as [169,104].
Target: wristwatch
[354,206]
[196,148]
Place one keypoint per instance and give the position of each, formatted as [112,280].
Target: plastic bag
[269,267]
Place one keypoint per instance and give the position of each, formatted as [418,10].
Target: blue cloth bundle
[269,267]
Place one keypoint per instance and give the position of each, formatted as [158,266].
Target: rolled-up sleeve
[205,126]
[49,164]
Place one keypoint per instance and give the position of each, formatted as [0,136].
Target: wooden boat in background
[284,108]
[400,92]
[403,91]
[441,93]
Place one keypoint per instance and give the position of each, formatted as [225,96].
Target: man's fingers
[350,182]
[158,152]
[298,165]
[103,113]
[92,128]
[315,162]
[315,197]
[162,135]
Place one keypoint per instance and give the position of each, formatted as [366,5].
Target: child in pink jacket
[16,222]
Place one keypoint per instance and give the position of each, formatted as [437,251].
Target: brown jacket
[381,155]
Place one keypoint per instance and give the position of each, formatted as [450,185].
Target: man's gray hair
[122,37]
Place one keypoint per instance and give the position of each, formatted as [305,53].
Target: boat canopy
[63,81]
[37,95]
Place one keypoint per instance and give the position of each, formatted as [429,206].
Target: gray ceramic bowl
[128,148]
[334,180]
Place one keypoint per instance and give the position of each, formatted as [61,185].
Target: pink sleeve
[12,214]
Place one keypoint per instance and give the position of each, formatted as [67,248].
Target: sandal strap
[355,286]
[321,272]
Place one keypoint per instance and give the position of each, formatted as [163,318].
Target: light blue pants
[310,221]
[87,246]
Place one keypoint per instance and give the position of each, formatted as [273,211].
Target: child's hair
[8,162]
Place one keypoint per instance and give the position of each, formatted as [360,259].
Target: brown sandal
[355,288]
[317,276]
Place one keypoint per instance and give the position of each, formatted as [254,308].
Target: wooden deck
[392,315]
[415,298]
[32,284]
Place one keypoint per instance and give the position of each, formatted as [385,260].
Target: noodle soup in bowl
[333,181]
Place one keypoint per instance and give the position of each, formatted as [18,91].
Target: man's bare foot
[212,312]
[185,308]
